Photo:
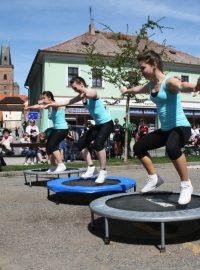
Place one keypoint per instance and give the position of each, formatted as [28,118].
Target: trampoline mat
[90,183]
[46,169]
[39,170]
[152,202]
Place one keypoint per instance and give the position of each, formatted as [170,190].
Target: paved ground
[35,233]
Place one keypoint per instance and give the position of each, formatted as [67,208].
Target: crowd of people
[35,154]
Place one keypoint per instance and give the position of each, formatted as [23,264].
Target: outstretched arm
[141,89]
[36,106]
[175,85]
[63,103]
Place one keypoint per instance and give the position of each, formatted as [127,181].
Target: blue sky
[31,25]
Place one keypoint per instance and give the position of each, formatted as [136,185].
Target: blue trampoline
[88,186]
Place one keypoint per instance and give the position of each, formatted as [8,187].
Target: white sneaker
[102,177]
[52,169]
[186,192]
[153,181]
[25,163]
[60,168]
[90,171]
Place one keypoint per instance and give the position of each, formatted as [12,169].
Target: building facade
[53,68]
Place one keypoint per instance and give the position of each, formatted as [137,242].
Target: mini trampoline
[158,207]
[43,173]
[88,186]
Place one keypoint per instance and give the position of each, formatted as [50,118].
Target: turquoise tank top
[169,107]
[97,111]
[58,118]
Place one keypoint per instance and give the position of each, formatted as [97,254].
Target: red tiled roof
[15,99]
[11,107]
[106,45]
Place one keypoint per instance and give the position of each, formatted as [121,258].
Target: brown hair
[151,57]
[48,94]
[78,80]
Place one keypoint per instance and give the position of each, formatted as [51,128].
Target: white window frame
[97,87]
[67,69]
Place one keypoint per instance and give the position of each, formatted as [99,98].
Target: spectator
[16,133]
[194,132]
[117,138]
[6,140]
[27,151]
[33,131]
[142,130]
[70,146]
[41,151]
[25,139]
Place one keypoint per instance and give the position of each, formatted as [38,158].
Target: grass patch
[81,164]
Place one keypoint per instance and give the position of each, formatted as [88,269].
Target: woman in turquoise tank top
[98,134]
[57,134]
[175,129]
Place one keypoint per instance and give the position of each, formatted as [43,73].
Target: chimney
[91,26]
[92,29]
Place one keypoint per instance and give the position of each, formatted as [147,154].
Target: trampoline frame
[38,173]
[100,208]
[96,189]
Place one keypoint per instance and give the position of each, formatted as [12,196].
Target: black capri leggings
[173,139]
[98,133]
[56,136]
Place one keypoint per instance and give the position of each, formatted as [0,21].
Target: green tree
[120,67]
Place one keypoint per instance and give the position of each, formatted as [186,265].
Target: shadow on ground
[143,233]
[76,198]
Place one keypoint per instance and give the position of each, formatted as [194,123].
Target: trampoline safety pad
[79,185]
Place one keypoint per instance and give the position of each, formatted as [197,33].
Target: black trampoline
[42,172]
[158,207]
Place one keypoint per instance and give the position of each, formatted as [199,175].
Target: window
[5,76]
[72,72]
[184,78]
[5,58]
[96,78]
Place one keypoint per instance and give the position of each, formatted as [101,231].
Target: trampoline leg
[107,239]
[48,193]
[135,188]
[162,247]
[36,177]
[25,179]
[30,181]
[92,220]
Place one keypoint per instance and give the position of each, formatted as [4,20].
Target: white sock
[186,183]
[153,176]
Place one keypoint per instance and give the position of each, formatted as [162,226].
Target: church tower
[7,85]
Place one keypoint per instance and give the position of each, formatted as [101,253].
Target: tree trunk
[126,130]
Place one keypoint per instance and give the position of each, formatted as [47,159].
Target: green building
[53,68]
